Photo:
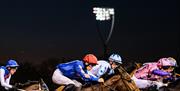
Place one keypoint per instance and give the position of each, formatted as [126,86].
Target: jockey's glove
[19,85]
[100,80]
[14,88]
[87,75]
[170,79]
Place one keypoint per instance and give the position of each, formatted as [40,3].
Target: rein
[122,71]
[109,86]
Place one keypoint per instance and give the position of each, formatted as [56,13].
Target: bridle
[121,71]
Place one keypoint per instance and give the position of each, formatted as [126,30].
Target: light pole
[103,14]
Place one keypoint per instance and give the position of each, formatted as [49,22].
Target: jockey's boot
[69,87]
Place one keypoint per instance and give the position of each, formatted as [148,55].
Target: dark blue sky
[34,30]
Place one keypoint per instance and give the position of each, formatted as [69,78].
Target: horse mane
[26,84]
[129,84]
[123,73]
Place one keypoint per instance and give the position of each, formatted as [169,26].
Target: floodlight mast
[103,14]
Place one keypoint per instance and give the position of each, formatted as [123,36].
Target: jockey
[67,73]
[5,74]
[104,68]
[151,73]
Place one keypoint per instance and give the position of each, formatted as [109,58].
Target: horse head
[33,85]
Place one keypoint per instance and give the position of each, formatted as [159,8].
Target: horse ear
[138,65]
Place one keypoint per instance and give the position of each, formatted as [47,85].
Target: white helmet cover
[115,58]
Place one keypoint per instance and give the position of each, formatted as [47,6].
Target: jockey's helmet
[165,62]
[115,58]
[90,58]
[12,63]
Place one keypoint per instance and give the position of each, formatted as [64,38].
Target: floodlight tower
[104,14]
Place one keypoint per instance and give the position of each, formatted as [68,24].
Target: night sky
[35,30]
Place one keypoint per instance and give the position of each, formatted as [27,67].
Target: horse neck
[123,73]
[31,87]
[111,81]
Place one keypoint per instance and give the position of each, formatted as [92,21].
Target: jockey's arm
[109,73]
[102,70]
[161,73]
[3,82]
[8,80]
[82,74]
[93,78]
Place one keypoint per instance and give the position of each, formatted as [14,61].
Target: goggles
[116,63]
[14,68]
[168,67]
[89,64]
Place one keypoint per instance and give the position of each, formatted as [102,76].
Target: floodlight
[103,14]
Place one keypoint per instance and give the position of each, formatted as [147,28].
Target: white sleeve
[8,81]
[101,70]
[3,82]
[104,66]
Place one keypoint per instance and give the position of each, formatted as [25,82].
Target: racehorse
[33,86]
[119,82]
[171,86]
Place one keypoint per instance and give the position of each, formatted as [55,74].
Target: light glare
[103,13]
